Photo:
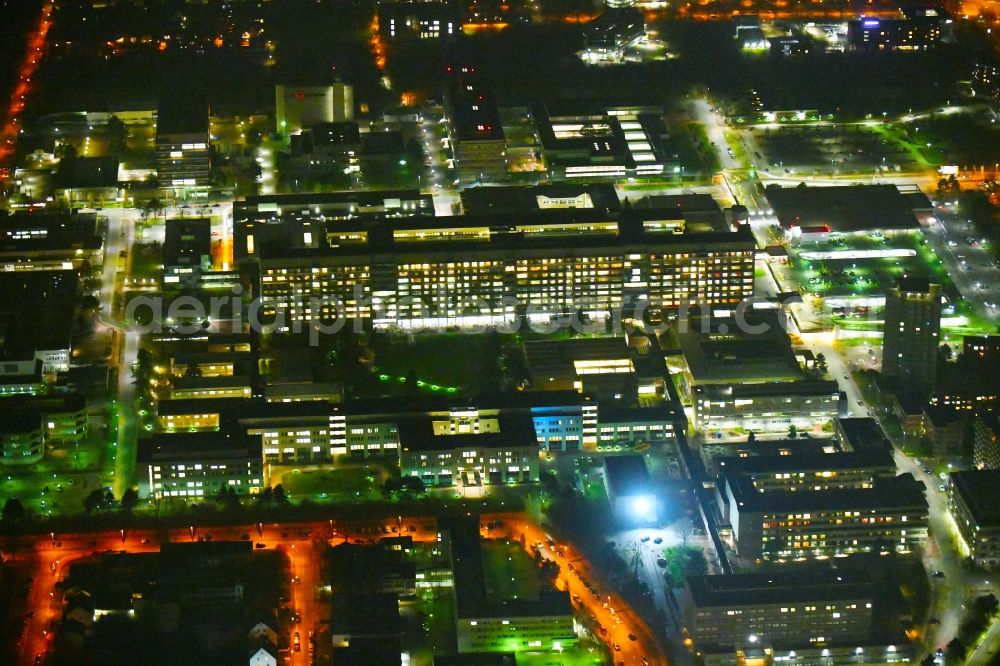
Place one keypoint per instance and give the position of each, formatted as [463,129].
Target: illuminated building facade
[22,438]
[616,142]
[444,272]
[787,611]
[889,516]
[197,465]
[630,491]
[912,334]
[45,240]
[805,472]
[469,452]
[766,407]
[420,20]
[298,107]
[474,128]
[986,442]
[971,501]
[916,29]
[183,154]
[986,79]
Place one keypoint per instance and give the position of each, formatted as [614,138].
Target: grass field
[510,573]
[451,361]
[347,483]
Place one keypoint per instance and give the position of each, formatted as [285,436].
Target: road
[608,608]
[950,593]
[434,176]
[36,48]
[715,129]
[303,542]
[117,246]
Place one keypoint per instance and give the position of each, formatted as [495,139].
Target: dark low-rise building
[380,568]
[41,240]
[630,490]
[36,317]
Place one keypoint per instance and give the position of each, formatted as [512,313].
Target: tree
[955,651]
[393,484]
[548,572]
[821,362]
[414,152]
[685,531]
[90,302]
[130,499]
[118,133]
[550,484]
[93,501]
[793,431]
[143,366]
[65,151]
[413,484]
[266,495]
[193,370]
[13,510]
[279,495]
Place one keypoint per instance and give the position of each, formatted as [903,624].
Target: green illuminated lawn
[348,483]
[444,364]
[510,573]
[587,652]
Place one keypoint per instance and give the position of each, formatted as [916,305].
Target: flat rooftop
[87,172]
[804,389]
[36,311]
[874,460]
[863,433]
[366,614]
[199,446]
[627,476]
[471,599]
[506,199]
[359,201]
[900,492]
[978,489]
[516,430]
[719,350]
[182,114]
[844,209]
[761,589]
[558,358]
[471,106]
[186,240]
[477,659]
[585,229]
[420,405]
